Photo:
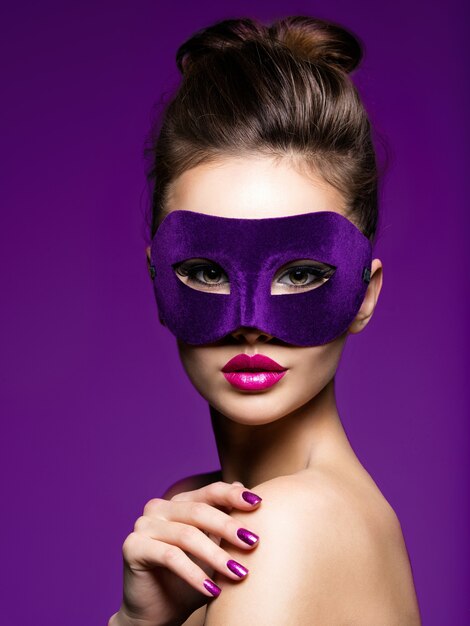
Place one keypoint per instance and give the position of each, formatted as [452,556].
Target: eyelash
[192,271]
[316,271]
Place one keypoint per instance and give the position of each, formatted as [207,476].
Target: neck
[309,436]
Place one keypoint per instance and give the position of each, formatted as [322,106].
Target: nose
[250,335]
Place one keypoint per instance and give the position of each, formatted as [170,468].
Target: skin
[287,442]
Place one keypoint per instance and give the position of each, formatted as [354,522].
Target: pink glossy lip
[253,372]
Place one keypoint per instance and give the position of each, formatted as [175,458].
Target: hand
[163,584]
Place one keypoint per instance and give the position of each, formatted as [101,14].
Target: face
[258,187]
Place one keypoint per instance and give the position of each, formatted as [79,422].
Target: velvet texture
[251,252]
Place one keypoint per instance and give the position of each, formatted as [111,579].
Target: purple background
[98,415]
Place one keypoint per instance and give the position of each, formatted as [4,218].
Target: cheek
[196,362]
[317,365]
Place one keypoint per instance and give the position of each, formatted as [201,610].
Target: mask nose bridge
[252,271]
[250,296]
[248,299]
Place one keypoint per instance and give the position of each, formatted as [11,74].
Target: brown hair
[281,90]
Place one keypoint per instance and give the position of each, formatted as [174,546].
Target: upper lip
[244,362]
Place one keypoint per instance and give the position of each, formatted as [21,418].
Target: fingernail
[212,587]
[237,568]
[251,497]
[247,536]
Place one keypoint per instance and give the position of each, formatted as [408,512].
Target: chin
[257,408]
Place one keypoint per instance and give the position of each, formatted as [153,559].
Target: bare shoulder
[197,618]
[189,483]
[329,553]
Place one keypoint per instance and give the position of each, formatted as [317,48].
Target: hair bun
[224,34]
[319,40]
[309,38]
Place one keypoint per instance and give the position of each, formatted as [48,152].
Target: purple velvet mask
[250,253]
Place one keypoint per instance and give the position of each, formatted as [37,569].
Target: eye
[203,275]
[304,275]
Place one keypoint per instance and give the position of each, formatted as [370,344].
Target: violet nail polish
[251,497]
[237,568]
[212,587]
[247,536]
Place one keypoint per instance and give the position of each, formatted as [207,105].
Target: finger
[227,509]
[222,494]
[203,516]
[193,540]
[141,553]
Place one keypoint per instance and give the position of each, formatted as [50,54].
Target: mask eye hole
[300,276]
[202,275]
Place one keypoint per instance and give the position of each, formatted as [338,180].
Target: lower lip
[252,381]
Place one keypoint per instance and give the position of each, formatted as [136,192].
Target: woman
[263,216]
